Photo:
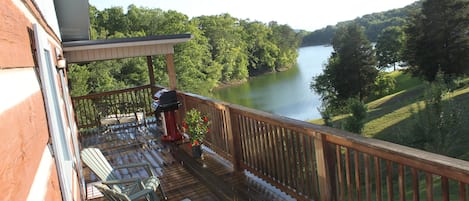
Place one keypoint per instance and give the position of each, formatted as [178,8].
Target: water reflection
[285,93]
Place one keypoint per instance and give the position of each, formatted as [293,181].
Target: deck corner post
[325,168]
[233,131]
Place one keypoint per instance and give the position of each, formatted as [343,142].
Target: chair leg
[162,192]
[153,196]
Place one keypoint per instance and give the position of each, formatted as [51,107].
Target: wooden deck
[182,176]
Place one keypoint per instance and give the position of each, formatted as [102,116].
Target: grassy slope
[389,117]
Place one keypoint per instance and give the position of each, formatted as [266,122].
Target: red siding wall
[24,135]
[14,37]
[23,127]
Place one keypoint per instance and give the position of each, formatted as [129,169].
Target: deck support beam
[171,71]
[151,73]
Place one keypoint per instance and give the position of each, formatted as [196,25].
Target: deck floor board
[181,176]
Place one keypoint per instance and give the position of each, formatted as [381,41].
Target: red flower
[196,142]
[184,124]
[205,119]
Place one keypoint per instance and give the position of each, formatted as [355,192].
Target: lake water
[284,93]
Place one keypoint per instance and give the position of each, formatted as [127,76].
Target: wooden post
[323,157]
[233,132]
[171,71]
[151,74]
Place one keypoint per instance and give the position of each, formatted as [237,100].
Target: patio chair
[114,195]
[98,164]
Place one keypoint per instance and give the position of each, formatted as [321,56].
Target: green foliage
[326,115]
[197,125]
[384,84]
[78,78]
[438,39]
[224,49]
[350,71]
[439,125]
[389,47]
[373,24]
[262,52]
[227,46]
[356,122]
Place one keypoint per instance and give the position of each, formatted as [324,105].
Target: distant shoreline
[223,85]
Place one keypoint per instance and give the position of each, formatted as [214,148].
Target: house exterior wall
[28,170]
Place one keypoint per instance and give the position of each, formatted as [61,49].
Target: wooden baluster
[282,154]
[367,177]
[357,175]
[389,180]
[340,174]
[300,163]
[294,158]
[378,179]
[290,168]
[462,192]
[415,185]
[271,152]
[308,170]
[314,170]
[445,188]
[401,181]
[253,149]
[429,181]
[244,138]
[348,176]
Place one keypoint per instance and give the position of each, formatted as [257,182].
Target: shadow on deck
[182,176]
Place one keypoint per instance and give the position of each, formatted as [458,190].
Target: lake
[284,93]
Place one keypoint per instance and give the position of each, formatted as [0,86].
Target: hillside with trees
[423,106]
[373,24]
[224,49]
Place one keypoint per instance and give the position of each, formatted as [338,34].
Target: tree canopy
[350,71]
[224,49]
[438,39]
[373,25]
[389,47]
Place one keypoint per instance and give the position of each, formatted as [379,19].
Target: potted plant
[197,126]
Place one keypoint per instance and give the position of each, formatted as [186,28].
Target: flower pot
[196,151]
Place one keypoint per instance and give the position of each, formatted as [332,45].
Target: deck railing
[89,108]
[311,162]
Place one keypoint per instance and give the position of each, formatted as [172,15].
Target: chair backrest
[96,161]
[111,194]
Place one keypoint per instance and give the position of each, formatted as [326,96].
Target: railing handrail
[106,93]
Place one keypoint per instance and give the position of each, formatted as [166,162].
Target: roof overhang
[73,18]
[95,50]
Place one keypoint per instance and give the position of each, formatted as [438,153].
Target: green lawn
[389,117]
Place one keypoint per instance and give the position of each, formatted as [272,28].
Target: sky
[298,14]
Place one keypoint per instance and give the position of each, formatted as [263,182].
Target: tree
[389,47]
[439,125]
[384,84]
[350,71]
[438,39]
[262,52]
[287,41]
[227,46]
[356,122]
